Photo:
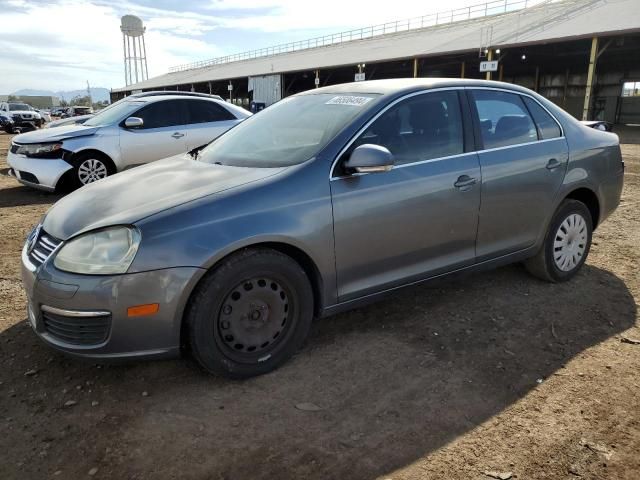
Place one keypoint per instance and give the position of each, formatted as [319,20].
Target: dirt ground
[487,375]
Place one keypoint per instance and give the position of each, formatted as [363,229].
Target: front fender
[276,210]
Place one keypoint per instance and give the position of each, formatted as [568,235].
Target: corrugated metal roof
[565,20]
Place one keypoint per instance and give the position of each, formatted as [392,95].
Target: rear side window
[504,119]
[203,112]
[547,126]
[166,113]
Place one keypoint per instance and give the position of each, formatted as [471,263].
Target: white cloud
[62,45]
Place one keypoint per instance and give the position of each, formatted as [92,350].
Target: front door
[418,219]
[523,160]
[163,133]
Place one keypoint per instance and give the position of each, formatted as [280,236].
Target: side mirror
[369,158]
[133,122]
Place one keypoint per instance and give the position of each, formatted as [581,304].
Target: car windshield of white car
[288,132]
[16,107]
[114,114]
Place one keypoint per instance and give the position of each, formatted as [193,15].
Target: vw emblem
[33,239]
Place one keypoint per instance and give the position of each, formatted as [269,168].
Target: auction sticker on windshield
[349,100]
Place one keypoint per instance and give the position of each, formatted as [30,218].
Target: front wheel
[566,245]
[250,314]
[91,167]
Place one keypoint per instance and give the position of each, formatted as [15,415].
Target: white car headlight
[103,252]
[43,150]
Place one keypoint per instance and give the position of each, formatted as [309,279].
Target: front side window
[164,113]
[547,126]
[204,111]
[420,128]
[504,119]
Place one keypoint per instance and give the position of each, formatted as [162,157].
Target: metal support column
[501,72]
[489,59]
[415,68]
[462,66]
[536,85]
[590,76]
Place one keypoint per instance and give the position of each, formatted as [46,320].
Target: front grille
[77,330]
[28,177]
[44,246]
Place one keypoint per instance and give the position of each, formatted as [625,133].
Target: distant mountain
[97,94]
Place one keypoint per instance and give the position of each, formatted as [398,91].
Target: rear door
[163,133]
[523,165]
[207,121]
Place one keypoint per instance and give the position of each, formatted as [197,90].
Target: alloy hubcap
[253,316]
[570,242]
[91,170]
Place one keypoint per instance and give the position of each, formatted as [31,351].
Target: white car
[135,131]
[23,115]
[46,117]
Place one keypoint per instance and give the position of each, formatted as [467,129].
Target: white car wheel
[91,170]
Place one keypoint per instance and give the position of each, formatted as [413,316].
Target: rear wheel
[250,314]
[566,245]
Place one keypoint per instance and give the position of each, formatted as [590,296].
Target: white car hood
[55,134]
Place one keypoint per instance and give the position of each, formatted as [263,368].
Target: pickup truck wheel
[250,314]
[566,245]
[90,167]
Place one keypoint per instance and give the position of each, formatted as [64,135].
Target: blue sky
[60,44]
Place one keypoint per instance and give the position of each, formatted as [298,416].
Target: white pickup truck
[23,115]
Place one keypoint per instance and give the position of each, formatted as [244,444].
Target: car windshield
[113,114]
[15,107]
[287,133]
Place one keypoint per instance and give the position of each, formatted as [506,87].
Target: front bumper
[86,315]
[41,173]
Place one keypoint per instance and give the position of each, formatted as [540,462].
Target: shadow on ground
[393,381]
[21,195]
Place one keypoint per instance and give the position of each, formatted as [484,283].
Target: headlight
[41,150]
[103,252]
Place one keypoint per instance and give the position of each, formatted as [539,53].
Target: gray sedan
[320,203]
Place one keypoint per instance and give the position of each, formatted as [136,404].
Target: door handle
[464,181]
[177,135]
[553,164]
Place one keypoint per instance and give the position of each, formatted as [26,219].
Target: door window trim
[443,89]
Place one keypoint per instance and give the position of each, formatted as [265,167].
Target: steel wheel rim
[91,170]
[254,318]
[570,242]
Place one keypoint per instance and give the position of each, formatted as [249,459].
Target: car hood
[60,133]
[140,192]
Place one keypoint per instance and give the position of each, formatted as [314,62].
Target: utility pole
[89,94]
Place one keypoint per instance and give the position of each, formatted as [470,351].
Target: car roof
[407,85]
[174,92]
[170,96]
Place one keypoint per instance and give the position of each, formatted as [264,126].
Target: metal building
[582,54]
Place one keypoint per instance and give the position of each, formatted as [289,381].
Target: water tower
[135,51]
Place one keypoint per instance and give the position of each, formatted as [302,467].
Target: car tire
[249,314]
[90,167]
[566,244]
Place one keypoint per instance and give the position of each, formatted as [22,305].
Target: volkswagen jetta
[322,202]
